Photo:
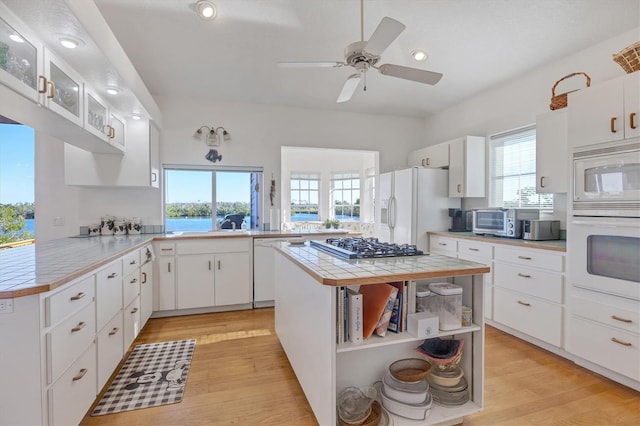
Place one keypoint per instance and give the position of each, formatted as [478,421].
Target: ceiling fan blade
[349,88]
[414,74]
[310,64]
[388,30]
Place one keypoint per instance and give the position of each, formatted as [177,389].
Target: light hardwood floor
[240,376]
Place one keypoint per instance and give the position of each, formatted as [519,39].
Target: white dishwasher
[263,269]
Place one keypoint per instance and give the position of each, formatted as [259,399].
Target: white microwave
[606,180]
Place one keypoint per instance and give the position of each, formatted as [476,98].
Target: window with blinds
[513,171]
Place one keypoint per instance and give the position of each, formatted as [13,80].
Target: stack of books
[373,309]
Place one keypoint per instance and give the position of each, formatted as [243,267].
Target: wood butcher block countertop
[330,270]
[556,245]
[41,267]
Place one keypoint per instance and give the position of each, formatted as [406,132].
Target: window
[191,193]
[513,171]
[17,185]
[345,196]
[304,196]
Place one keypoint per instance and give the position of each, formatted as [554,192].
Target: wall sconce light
[213,136]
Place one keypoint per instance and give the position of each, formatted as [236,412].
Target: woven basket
[629,58]
[560,101]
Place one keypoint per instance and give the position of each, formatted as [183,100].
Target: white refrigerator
[413,201]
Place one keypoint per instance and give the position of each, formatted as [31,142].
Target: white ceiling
[476,44]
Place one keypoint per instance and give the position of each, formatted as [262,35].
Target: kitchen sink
[209,233]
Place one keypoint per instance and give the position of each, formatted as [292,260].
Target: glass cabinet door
[64,89]
[96,116]
[20,61]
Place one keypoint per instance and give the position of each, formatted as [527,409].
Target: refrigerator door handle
[392,212]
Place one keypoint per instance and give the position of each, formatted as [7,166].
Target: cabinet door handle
[112,275]
[79,327]
[459,187]
[219,264]
[77,296]
[428,161]
[42,88]
[133,281]
[613,124]
[209,265]
[524,257]
[134,310]
[520,274]
[520,302]
[617,318]
[473,249]
[442,244]
[52,89]
[80,374]
[167,249]
[169,267]
[144,278]
[620,342]
[632,120]
[114,331]
[133,262]
[541,181]
[423,162]
[154,177]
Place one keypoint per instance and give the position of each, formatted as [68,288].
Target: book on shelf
[383,322]
[395,322]
[375,298]
[340,315]
[354,313]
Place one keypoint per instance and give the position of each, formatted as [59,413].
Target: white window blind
[513,171]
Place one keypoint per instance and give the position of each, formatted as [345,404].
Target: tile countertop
[330,270]
[557,245]
[41,267]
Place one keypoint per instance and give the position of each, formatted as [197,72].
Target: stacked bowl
[405,390]
[447,383]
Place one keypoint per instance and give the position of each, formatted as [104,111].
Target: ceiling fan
[363,55]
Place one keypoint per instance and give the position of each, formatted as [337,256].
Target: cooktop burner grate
[365,248]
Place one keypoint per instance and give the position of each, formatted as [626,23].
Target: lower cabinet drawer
[443,245]
[131,322]
[110,349]
[72,395]
[69,300]
[607,309]
[532,316]
[535,282]
[130,287]
[69,339]
[609,347]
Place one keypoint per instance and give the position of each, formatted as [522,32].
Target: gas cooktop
[364,248]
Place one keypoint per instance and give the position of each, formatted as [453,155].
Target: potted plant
[328,223]
[335,223]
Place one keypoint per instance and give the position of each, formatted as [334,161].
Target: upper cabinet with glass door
[21,57]
[62,88]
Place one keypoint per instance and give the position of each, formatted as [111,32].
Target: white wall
[517,102]
[259,131]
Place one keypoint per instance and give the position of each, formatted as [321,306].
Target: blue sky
[16,164]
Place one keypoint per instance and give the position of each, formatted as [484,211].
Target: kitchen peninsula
[307,282]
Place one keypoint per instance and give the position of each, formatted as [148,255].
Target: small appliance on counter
[502,222]
[540,230]
[461,220]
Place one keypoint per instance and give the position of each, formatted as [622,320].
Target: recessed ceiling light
[419,55]
[68,43]
[136,116]
[206,9]
[16,38]
[113,90]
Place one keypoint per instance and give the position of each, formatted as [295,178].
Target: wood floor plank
[240,376]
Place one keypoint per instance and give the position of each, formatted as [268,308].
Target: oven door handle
[608,222]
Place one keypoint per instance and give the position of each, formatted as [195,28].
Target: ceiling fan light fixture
[419,55]
[206,9]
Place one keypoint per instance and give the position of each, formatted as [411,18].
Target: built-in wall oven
[603,237]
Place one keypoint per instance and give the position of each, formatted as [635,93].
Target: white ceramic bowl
[410,393]
[410,411]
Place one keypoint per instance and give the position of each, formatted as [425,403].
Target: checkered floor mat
[153,374]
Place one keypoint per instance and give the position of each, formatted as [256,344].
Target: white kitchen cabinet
[529,292]
[195,275]
[110,350]
[467,167]
[96,115]
[146,292]
[552,152]
[233,279]
[131,322]
[605,112]
[481,253]
[21,57]
[137,167]
[435,156]
[443,245]
[164,291]
[108,292]
[63,88]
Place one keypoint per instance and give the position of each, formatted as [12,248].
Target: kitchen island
[307,283]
